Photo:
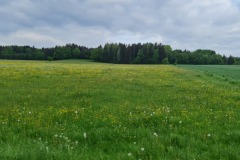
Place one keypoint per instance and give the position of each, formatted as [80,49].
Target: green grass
[85,110]
[229,73]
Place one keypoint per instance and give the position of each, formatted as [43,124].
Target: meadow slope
[76,109]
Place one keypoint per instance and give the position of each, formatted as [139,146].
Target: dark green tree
[231,60]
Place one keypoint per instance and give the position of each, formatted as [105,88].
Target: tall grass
[86,110]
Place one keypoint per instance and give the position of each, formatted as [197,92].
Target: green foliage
[50,59]
[237,63]
[146,53]
[31,53]
[165,61]
[231,60]
[140,57]
[167,48]
[76,53]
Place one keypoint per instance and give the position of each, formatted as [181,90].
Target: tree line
[119,53]
[69,51]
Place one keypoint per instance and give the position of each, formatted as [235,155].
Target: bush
[165,61]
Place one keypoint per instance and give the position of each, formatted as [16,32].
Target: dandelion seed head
[142,149]
[129,154]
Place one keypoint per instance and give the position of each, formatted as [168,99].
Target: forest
[119,53]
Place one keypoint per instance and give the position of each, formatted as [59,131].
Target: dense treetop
[147,53]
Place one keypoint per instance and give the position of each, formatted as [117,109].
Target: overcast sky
[183,24]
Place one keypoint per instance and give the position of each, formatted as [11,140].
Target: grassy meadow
[77,109]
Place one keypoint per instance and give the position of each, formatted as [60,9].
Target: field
[76,109]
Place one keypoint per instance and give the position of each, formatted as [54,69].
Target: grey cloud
[190,24]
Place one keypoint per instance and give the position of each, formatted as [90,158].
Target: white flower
[85,135]
[142,149]
[129,154]
[76,142]
[209,135]
[155,134]
[56,135]
[76,112]
[180,122]
[134,142]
